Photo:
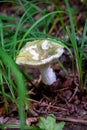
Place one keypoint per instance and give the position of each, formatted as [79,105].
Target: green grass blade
[71,19]
[35,24]
[3,91]
[1,34]
[12,126]
[19,79]
[83,40]
[73,40]
[78,54]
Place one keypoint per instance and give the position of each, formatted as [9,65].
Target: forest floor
[63,98]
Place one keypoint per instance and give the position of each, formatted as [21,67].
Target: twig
[76,89]
[44,104]
[75,120]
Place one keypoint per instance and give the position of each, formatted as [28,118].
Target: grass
[15,31]
[8,62]
[78,51]
[12,126]
[13,35]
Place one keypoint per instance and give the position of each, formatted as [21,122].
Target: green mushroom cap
[39,52]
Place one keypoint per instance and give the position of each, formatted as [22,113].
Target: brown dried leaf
[2,109]
[31,120]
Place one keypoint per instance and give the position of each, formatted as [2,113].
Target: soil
[63,98]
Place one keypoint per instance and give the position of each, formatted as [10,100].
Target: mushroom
[39,54]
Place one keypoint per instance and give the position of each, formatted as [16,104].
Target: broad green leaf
[59,126]
[50,123]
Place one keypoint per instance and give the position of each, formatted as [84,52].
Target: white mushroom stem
[48,75]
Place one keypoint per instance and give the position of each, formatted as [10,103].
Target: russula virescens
[40,54]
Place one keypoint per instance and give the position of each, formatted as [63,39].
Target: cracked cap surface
[39,52]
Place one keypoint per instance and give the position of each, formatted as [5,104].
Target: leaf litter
[64,99]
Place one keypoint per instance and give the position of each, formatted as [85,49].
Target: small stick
[75,120]
[76,89]
[45,104]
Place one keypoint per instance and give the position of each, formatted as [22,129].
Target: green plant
[12,126]
[9,63]
[50,123]
[78,51]
[13,34]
